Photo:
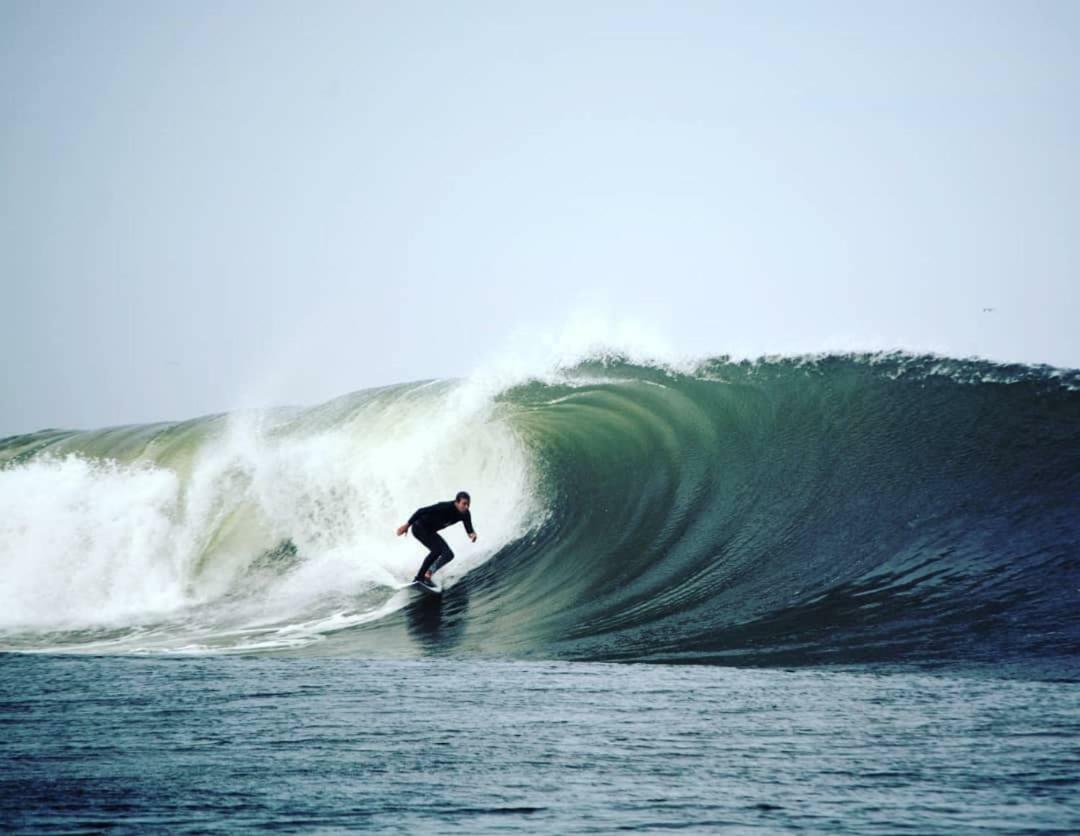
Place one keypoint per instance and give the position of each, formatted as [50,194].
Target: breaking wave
[836,508]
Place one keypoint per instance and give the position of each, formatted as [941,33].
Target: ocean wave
[828,508]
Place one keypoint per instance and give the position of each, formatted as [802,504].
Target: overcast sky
[210,205]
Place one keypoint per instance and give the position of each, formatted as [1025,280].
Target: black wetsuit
[427,522]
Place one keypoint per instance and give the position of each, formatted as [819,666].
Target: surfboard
[427,590]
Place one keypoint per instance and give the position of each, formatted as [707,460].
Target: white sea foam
[96,542]
[87,542]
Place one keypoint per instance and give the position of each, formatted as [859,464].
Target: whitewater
[231,527]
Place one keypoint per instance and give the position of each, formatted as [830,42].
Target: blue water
[334,745]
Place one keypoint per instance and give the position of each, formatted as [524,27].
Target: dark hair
[463,495]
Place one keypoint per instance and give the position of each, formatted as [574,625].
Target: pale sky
[213,205]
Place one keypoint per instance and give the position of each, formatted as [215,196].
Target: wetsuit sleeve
[467,519]
[419,512]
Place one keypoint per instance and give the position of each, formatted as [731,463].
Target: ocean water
[337,745]
[836,593]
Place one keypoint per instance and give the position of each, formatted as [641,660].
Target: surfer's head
[462,501]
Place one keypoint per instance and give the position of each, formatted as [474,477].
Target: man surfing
[427,522]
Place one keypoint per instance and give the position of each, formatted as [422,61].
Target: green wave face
[835,508]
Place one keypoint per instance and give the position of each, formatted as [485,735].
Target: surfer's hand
[473,536]
[403,529]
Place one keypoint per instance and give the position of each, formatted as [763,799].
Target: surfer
[427,522]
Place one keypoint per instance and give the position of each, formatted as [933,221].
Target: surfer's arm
[419,511]
[466,518]
[402,529]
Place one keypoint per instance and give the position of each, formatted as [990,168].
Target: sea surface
[835,592]
[336,745]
